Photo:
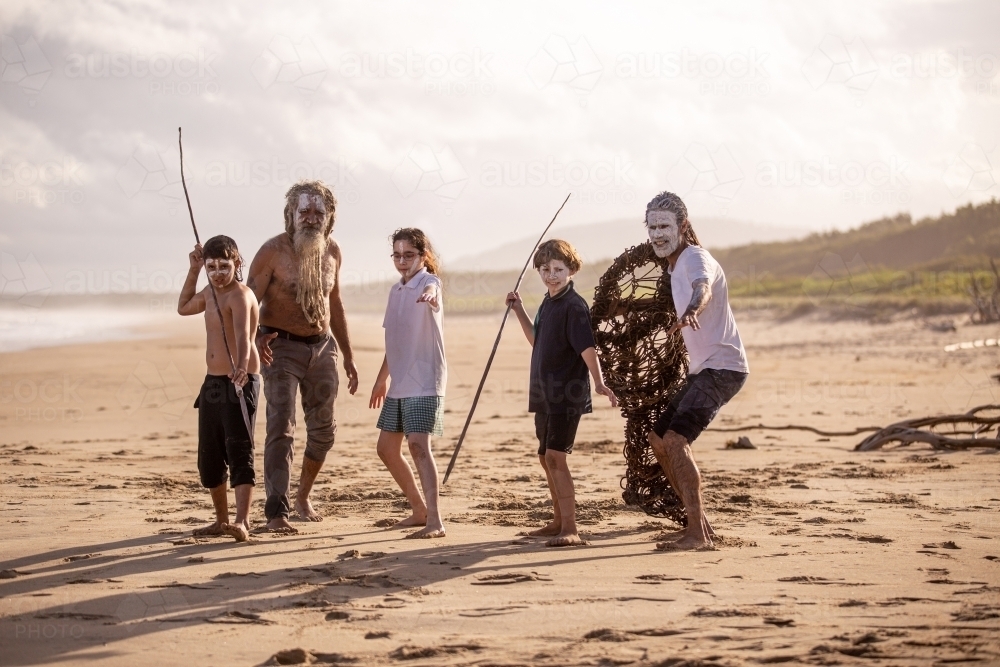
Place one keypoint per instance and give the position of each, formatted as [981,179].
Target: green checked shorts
[414,414]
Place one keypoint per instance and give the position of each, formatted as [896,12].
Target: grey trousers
[313,368]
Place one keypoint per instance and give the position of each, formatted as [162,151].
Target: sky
[472,120]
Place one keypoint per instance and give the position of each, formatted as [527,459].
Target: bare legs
[673,452]
[563,524]
[554,527]
[310,469]
[390,445]
[427,513]
[241,529]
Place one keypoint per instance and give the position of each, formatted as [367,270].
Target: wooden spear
[496,344]
[215,297]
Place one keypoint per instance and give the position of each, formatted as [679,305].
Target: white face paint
[664,232]
[556,275]
[407,259]
[220,271]
[311,211]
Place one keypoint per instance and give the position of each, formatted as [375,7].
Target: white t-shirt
[414,340]
[717,343]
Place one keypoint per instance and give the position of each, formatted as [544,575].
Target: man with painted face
[295,276]
[718,363]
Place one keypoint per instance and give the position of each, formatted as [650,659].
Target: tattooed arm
[699,299]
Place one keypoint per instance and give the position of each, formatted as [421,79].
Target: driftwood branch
[794,427]
[967,431]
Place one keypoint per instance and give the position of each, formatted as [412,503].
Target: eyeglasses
[407,256]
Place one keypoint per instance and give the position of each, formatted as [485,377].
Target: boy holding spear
[563,351]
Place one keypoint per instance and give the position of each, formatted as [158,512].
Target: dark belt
[308,340]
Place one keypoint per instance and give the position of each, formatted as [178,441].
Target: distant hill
[965,239]
[879,269]
[606,240]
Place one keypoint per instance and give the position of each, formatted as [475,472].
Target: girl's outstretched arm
[430,297]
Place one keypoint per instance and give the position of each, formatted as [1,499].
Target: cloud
[436,96]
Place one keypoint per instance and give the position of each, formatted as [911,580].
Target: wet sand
[826,556]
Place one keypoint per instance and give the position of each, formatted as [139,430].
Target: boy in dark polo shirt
[562,354]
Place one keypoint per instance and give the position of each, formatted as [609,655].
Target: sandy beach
[826,556]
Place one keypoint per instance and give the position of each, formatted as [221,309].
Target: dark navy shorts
[556,431]
[694,407]
[225,449]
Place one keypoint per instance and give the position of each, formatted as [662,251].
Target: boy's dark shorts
[694,407]
[223,441]
[556,431]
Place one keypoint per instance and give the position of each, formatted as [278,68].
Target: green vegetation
[874,271]
[963,240]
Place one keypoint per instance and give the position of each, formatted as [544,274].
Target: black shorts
[556,431]
[694,407]
[223,441]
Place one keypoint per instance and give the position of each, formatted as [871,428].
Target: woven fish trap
[631,313]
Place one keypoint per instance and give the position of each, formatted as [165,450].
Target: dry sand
[826,557]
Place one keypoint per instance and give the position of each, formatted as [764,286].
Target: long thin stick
[496,344]
[215,297]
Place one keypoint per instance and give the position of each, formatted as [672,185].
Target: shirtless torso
[274,276]
[240,313]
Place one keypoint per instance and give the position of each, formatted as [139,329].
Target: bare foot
[278,524]
[217,528]
[237,531]
[687,543]
[674,536]
[410,521]
[550,530]
[428,532]
[306,511]
[573,539]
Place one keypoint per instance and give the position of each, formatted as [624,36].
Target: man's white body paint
[663,231]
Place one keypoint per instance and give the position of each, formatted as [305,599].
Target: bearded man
[718,363]
[295,276]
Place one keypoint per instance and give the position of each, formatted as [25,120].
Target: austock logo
[701,170]
[23,282]
[424,170]
[974,170]
[23,64]
[148,387]
[284,61]
[146,170]
[835,62]
[833,277]
[571,64]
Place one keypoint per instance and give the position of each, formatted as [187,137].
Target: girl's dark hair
[668,201]
[419,240]
[223,247]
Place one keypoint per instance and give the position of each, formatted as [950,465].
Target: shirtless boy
[223,440]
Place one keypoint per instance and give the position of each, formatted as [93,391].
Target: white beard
[310,247]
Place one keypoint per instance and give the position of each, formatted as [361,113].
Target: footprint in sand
[509,578]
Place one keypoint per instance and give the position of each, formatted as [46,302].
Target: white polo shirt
[414,340]
[717,343]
